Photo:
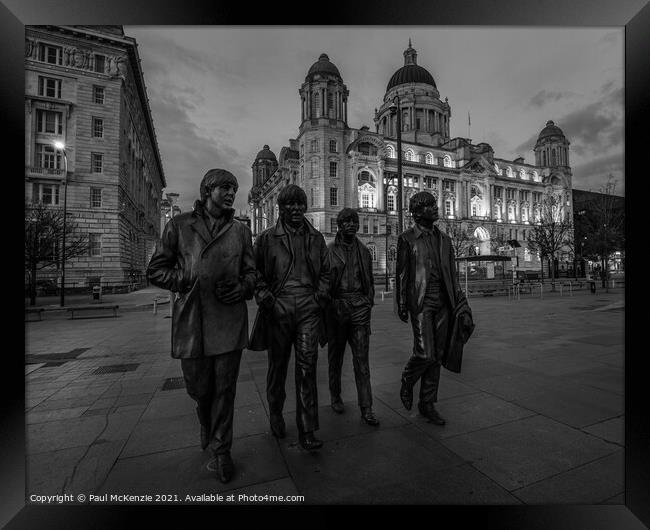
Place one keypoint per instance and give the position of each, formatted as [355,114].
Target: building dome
[550,130]
[323,66]
[411,72]
[266,154]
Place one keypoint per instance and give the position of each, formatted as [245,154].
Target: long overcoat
[273,258]
[413,271]
[190,262]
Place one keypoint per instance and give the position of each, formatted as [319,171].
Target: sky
[218,94]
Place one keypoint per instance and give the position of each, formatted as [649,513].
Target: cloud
[593,174]
[187,153]
[544,96]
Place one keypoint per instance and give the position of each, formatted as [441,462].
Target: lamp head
[59,145]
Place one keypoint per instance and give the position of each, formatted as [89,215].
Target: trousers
[294,322]
[212,383]
[430,328]
[350,328]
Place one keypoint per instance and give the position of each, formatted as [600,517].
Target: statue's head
[423,208]
[347,221]
[292,203]
[218,189]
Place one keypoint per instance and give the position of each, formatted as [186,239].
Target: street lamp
[395,107]
[61,146]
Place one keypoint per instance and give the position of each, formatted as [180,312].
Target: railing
[43,171]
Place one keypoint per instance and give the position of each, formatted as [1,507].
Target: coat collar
[199,225]
[417,231]
[280,231]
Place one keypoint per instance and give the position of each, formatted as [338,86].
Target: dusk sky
[218,94]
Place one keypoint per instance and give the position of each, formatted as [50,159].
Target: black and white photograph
[325,265]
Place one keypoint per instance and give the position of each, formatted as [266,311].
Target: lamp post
[395,107]
[61,146]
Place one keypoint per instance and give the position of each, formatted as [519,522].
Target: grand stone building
[492,199]
[84,87]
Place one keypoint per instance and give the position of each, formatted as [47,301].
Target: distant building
[584,205]
[168,209]
[84,87]
[492,198]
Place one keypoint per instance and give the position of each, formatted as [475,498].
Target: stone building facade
[84,87]
[490,198]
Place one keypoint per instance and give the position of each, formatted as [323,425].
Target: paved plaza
[535,417]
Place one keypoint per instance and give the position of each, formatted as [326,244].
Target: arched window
[409,155]
[511,213]
[522,174]
[428,158]
[373,251]
[535,176]
[367,189]
[447,161]
[509,172]
[390,151]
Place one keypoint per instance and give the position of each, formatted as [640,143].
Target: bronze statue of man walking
[206,258]
[428,293]
[348,314]
[292,289]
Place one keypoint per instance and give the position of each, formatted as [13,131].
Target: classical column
[380,187]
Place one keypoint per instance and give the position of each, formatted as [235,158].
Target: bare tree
[552,231]
[461,240]
[43,238]
[602,226]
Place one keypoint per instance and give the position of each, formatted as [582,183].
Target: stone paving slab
[604,476]
[609,430]
[520,453]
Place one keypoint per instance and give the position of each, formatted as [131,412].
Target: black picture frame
[634,15]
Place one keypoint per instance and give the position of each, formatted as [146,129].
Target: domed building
[493,199]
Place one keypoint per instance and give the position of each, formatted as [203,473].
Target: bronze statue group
[308,294]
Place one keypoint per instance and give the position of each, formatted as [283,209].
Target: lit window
[429,158]
[98,128]
[97,165]
[509,172]
[98,94]
[95,197]
[390,151]
[447,161]
[365,200]
[95,244]
[511,213]
[409,155]
[49,121]
[49,87]
[47,157]
[100,63]
[373,252]
[391,202]
[449,208]
[522,174]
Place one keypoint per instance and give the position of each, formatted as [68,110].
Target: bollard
[155,306]
[541,289]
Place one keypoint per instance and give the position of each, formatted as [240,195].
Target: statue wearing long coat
[190,261]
